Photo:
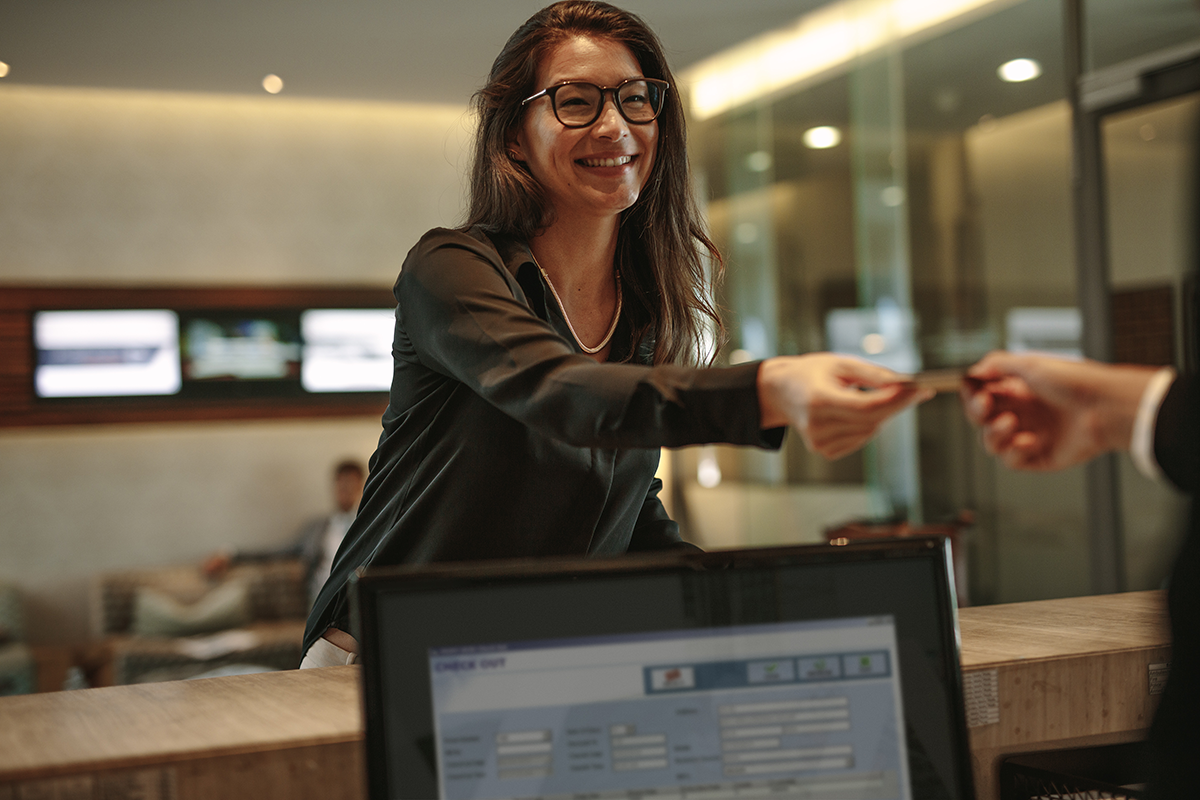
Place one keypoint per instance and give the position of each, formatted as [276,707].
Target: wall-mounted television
[212,354]
[347,349]
[111,353]
[241,352]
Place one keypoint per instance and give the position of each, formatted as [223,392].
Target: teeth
[606,162]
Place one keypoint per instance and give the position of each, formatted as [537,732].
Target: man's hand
[1039,412]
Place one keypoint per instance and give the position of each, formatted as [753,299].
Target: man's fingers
[978,405]
[996,364]
[998,433]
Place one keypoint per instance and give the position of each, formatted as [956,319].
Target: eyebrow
[588,80]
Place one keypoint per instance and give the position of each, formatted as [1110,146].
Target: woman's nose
[610,124]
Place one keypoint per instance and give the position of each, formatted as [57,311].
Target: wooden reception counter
[1049,674]
[1056,674]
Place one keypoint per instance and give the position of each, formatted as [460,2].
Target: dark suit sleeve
[1177,434]
[1175,737]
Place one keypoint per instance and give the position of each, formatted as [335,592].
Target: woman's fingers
[863,373]
[837,403]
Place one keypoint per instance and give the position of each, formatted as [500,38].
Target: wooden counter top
[243,729]
[1047,674]
[1065,628]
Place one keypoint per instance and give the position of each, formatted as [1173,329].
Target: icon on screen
[673,678]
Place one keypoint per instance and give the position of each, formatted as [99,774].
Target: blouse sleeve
[460,313]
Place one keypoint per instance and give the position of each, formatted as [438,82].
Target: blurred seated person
[1044,413]
[317,540]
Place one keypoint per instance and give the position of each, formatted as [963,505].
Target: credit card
[940,380]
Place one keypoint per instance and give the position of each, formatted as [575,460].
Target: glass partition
[909,204]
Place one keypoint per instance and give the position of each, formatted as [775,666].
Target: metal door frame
[1145,80]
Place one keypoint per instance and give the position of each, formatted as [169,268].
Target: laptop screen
[792,672]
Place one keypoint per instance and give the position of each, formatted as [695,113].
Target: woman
[539,349]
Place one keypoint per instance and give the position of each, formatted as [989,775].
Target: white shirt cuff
[1141,445]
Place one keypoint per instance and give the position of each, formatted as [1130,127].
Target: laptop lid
[798,672]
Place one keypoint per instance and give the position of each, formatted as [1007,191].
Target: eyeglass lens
[580,103]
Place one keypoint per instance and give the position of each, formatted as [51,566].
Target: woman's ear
[514,149]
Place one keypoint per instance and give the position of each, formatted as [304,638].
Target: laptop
[795,672]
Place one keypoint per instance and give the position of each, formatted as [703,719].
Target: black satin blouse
[502,439]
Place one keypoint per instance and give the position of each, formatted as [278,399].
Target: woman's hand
[837,403]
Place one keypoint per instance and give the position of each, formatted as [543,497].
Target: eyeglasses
[578,104]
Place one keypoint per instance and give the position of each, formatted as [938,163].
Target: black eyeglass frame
[551,91]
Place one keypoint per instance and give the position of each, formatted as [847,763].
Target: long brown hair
[662,242]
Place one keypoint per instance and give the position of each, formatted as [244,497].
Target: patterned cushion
[275,589]
[158,614]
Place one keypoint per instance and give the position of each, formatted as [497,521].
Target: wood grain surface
[1074,672]
[1068,627]
[130,726]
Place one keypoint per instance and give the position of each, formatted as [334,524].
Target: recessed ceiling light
[3,69]
[273,84]
[822,138]
[1019,69]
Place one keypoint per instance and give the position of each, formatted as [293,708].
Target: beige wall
[132,188]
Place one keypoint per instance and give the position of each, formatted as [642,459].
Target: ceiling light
[822,138]
[273,84]
[830,37]
[3,69]
[1019,69]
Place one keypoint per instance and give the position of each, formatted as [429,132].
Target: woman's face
[594,171]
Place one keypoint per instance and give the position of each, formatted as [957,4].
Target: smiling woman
[546,351]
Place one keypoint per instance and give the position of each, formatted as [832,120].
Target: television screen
[106,353]
[243,347]
[347,350]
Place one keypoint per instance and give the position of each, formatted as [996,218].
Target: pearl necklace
[611,328]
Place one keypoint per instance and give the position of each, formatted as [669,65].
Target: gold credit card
[940,380]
